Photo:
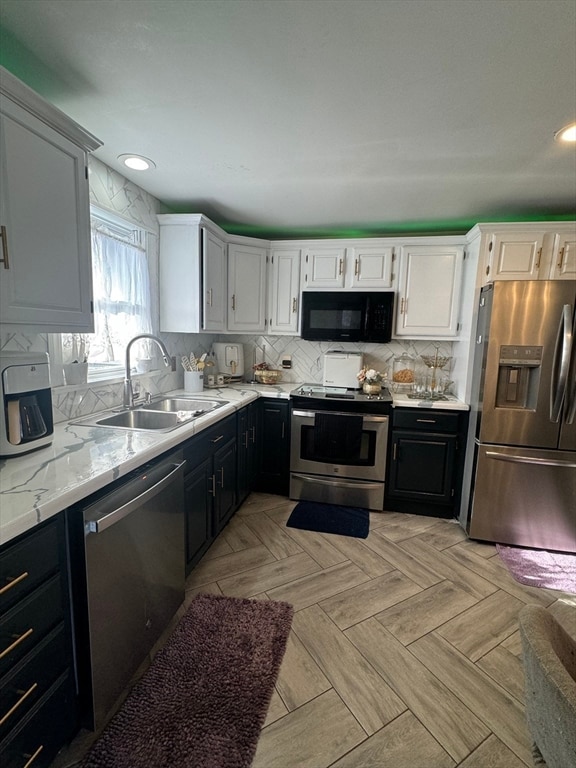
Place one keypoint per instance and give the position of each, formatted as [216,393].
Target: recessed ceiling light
[137,162]
[568,133]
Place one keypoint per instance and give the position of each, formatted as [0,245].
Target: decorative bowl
[269,376]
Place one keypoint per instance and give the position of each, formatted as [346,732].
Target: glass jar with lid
[403,373]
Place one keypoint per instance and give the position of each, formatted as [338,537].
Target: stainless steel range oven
[338,446]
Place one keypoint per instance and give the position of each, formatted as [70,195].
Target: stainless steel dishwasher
[134,557]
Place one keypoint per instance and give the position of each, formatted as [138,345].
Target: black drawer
[50,725]
[25,565]
[425,420]
[28,622]
[209,440]
[22,687]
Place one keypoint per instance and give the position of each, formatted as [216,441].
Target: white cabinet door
[324,267]
[429,291]
[46,271]
[564,258]
[246,288]
[284,291]
[514,255]
[372,266]
[214,279]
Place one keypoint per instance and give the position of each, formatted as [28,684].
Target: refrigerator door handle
[571,394]
[561,364]
[529,460]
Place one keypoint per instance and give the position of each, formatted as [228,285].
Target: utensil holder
[193,381]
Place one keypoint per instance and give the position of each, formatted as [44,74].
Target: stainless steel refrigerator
[520,470]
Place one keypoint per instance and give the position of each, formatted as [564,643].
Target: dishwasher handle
[152,487]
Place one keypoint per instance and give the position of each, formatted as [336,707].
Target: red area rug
[540,568]
[205,696]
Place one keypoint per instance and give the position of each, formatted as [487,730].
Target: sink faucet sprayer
[128,400]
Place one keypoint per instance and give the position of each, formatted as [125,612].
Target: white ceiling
[298,115]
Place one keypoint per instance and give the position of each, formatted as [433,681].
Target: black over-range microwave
[347,315]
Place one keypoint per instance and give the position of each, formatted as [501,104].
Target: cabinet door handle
[17,641]
[294,304]
[561,258]
[395,452]
[217,439]
[340,266]
[356,267]
[221,477]
[402,305]
[12,582]
[234,301]
[538,257]
[283,430]
[213,481]
[33,757]
[253,429]
[23,696]
[245,439]
[4,259]
[209,297]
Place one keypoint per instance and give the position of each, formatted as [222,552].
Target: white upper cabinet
[284,290]
[356,264]
[246,288]
[371,266]
[45,265]
[515,255]
[429,286]
[324,267]
[192,271]
[528,251]
[563,265]
[214,268]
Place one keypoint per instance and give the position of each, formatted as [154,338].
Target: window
[122,305]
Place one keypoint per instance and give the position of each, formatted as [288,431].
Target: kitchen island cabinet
[45,264]
[426,461]
[38,701]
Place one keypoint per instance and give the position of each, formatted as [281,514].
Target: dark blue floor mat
[330,518]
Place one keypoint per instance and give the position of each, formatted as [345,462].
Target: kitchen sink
[172,404]
[161,416]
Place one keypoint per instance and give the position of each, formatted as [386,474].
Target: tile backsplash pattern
[307,356]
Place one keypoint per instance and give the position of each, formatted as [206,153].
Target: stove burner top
[318,392]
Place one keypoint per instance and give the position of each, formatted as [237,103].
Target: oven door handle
[339,483]
[366,417]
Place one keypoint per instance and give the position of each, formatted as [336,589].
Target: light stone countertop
[82,460]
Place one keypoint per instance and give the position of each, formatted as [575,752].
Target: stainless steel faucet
[128,400]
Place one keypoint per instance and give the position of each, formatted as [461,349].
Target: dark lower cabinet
[209,486]
[274,471]
[38,697]
[425,461]
[248,449]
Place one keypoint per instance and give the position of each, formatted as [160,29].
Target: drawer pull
[33,757]
[23,697]
[426,421]
[16,642]
[12,582]
[217,439]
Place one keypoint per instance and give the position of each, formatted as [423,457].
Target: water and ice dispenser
[26,421]
[518,377]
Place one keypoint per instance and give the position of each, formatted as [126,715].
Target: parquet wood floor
[404,650]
